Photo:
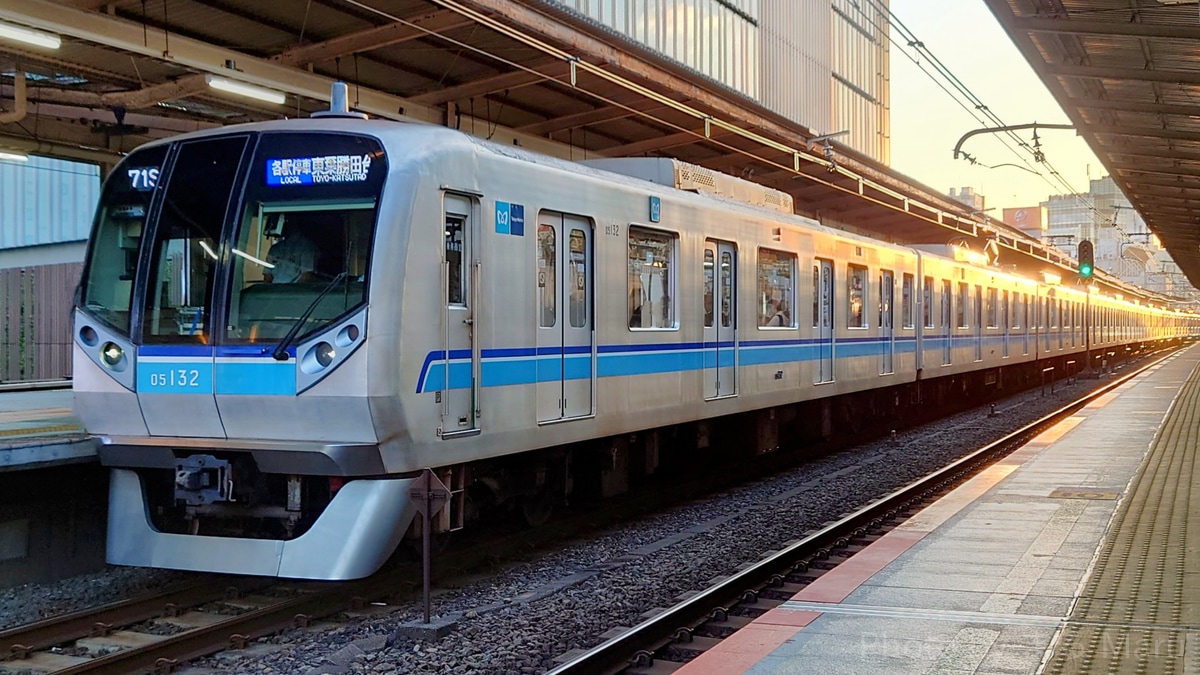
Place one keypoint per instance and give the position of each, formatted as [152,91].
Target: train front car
[219,353]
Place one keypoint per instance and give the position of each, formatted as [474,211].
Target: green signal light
[1085,270]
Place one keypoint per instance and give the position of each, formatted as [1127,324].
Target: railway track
[666,640]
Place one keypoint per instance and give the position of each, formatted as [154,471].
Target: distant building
[1030,220]
[1124,245]
[823,65]
[968,198]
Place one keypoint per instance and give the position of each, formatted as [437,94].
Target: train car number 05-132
[612,230]
[181,377]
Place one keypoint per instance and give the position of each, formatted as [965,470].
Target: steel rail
[621,651]
[18,641]
[34,385]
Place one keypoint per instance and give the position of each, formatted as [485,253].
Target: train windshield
[245,237]
[107,290]
[184,258]
[303,236]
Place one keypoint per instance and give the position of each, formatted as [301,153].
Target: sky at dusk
[927,122]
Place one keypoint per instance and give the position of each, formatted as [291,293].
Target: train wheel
[537,508]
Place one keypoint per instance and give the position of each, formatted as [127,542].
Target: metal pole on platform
[426,524]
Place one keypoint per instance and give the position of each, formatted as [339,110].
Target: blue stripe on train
[505,367]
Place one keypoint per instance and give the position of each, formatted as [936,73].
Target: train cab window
[287,253]
[960,308]
[651,271]
[184,253]
[927,300]
[856,281]
[107,289]
[906,301]
[776,288]
[301,250]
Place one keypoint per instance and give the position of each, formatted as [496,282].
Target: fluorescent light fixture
[243,89]
[254,260]
[29,36]
[207,249]
[13,156]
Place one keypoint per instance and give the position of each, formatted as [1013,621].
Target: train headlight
[111,354]
[324,353]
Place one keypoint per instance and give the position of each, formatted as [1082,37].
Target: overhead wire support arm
[1012,127]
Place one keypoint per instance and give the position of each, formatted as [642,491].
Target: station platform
[1072,555]
[38,430]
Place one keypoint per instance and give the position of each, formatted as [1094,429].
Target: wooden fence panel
[35,321]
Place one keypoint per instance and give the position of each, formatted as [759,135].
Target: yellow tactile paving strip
[1140,609]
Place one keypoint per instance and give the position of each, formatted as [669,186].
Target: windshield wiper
[280,352]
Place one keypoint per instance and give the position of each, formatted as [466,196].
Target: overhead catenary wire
[969,101]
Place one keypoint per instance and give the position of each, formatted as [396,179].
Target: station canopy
[1127,74]
[524,72]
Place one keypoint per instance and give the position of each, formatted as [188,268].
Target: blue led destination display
[318,170]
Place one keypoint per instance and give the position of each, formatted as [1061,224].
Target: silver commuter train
[281,324]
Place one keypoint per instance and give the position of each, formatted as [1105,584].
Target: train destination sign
[318,170]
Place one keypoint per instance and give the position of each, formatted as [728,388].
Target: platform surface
[38,429]
[988,579]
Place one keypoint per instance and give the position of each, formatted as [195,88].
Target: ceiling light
[29,36]
[243,89]
[13,156]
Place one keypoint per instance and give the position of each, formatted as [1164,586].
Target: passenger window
[577,294]
[547,273]
[709,284]
[776,288]
[816,295]
[927,298]
[651,279]
[947,301]
[454,265]
[726,289]
[856,317]
[961,309]
[992,321]
[906,299]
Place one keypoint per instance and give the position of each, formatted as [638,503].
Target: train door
[460,391]
[824,328]
[978,322]
[947,331]
[175,379]
[565,354]
[1029,317]
[1005,320]
[1044,324]
[720,335]
[887,288]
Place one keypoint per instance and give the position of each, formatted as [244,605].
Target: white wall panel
[46,201]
